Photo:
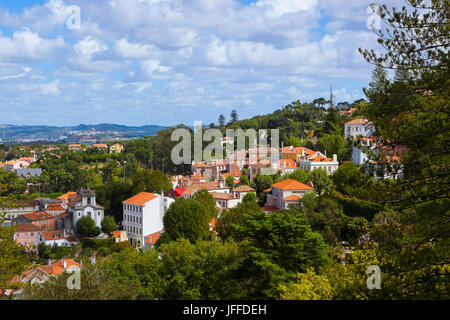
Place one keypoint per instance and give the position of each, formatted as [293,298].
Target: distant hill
[79,133]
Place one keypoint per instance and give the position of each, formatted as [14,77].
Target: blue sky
[166,62]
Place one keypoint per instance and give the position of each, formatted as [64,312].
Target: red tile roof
[37,215]
[290,184]
[292,198]
[178,192]
[141,198]
[152,238]
[358,121]
[68,195]
[243,188]
[54,207]
[27,227]
[69,263]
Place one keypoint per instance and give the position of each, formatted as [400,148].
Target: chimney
[64,264]
[49,262]
[335,157]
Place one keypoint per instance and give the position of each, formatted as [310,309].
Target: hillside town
[53,222]
[216,158]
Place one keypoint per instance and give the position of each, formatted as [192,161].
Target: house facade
[359,127]
[287,192]
[84,205]
[143,215]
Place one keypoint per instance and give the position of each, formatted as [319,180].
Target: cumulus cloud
[177,55]
[27,45]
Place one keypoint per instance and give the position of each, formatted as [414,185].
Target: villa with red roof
[287,192]
[359,127]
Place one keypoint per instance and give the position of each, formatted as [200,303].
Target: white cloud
[89,47]
[51,88]
[27,45]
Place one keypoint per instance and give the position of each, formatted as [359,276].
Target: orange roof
[37,215]
[152,238]
[67,195]
[52,235]
[116,234]
[243,188]
[27,227]
[358,121]
[100,145]
[288,163]
[292,198]
[141,198]
[51,270]
[54,206]
[290,184]
[69,263]
[222,196]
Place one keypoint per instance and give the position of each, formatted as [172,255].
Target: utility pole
[124,166]
[331,96]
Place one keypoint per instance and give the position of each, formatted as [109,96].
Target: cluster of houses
[115,148]
[51,221]
[363,153]
[21,167]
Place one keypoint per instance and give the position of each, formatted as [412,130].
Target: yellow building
[116,148]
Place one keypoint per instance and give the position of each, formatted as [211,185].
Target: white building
[360,155]
[143,215]
[319,162]
[84,204]
[225,200]
[359,127]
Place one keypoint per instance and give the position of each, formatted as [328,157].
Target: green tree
[413,115]
[300,175]
[261,183]
[208,201]
[277,247]
[186,218]
[221,120]
[347,177]
[321,180]
[86,227]
[108,224]
[243,180]
[308,286]
[13,257]
[229,180]
[197,271]
[233,116]
[96,285]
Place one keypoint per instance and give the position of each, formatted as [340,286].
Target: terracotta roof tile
[141,198]
[290,184]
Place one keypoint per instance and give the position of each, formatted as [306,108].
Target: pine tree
[234,116]
[221,120]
